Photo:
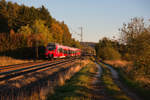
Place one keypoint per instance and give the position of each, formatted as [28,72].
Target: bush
[109,53]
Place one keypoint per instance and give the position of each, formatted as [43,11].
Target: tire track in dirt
[97,88]
[125,89]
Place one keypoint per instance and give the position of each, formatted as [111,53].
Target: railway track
[11,67]
[9,72]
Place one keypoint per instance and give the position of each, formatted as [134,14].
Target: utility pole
[81,36]
[81,28]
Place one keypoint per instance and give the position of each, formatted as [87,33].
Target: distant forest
[22,28]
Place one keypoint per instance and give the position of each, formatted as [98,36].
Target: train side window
[67,52]
[64,51]
[60,50]
[51,47]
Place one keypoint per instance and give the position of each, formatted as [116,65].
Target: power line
[81,28]
[80,34]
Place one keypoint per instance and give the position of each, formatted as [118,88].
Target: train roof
[64,47]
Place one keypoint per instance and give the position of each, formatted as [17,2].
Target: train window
[65,51]
[51,47]
[60,50]
[68,52]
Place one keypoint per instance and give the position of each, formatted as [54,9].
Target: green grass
[77,88]
[112,89]
[133,85]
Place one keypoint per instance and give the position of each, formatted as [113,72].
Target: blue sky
[99,18]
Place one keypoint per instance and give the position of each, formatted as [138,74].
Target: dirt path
[128,92]
[97,88]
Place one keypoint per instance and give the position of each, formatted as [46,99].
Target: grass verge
[111,88]
[140,87]
[77,88]
[142,91]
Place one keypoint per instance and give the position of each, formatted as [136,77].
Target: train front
[50,50]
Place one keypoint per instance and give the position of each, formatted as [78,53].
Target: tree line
[23,27]
[133,45]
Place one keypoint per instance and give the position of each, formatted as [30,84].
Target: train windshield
[51,47]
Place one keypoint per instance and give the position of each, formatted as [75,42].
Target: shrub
[109,53]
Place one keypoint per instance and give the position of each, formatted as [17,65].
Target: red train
[54,50]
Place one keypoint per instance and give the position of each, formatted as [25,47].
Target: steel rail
[23,64]
[15,73]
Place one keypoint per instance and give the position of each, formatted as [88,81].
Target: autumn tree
[66,34]
[41,32]
[57,32]
[136,37]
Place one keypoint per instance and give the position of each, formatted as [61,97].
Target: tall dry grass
[4,61]
[118,63]
[125,65]
[127,68]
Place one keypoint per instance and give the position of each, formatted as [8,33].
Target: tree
[66,35]
[25,30]
[45,15]
[57,32]
[136,37]
[41,33]
[132,30]
[108,49]
[3,16]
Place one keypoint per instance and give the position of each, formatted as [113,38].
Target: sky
[99,18]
